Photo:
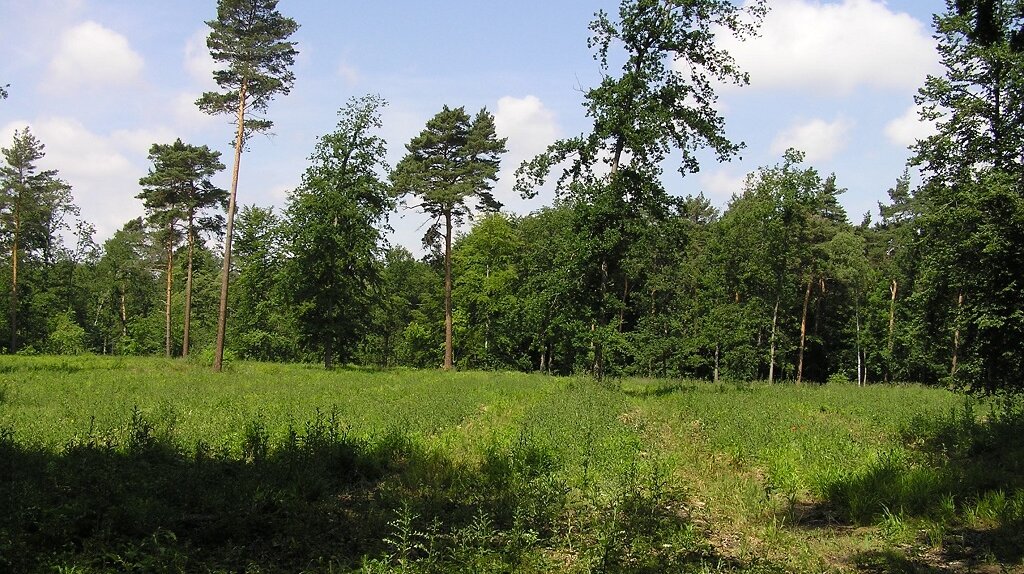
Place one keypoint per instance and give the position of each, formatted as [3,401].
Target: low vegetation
[129,465]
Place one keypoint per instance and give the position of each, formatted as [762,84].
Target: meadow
[153,465]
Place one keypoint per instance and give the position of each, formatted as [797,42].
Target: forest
[592,387]
[616,278]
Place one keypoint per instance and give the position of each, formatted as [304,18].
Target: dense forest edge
[616,278]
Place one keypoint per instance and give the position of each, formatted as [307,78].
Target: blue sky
[99,81]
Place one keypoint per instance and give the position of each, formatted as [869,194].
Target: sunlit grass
[426,471]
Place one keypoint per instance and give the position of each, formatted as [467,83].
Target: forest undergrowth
[153,465]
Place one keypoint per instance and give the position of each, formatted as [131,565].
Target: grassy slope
[152,465]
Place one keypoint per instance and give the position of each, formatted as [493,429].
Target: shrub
[66,337]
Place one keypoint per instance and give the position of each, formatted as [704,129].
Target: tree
[663,100]
[972,198]
[263,328]
[451,162]
[896,255]
[250,38]
[126,286]
[486,291]
[31,206]
[407,318]
[177,191]
[333,229]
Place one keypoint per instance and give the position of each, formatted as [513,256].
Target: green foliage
[452,162]
[332,229]
[249,38]
[33,208]
[177,194]
[67,337]
[971,199]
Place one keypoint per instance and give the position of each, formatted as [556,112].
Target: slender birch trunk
[771,353]
[188,294]
[803,333]
[124,312]
[716,362]
[956,332]
[448,346]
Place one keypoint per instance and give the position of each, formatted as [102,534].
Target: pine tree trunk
[188,294]
[218,355]
[771,353]
[448,347]
[167,300]
[803,333]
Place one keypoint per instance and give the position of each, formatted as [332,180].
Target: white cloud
[138,141]
[819,139]
[530,128]
[833,48]
[199,64]
[721,184]
[189,117]
[905,130]
[103,171]
[90,55]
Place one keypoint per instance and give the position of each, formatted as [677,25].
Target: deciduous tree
[333,229]
[973,197]
[663,100]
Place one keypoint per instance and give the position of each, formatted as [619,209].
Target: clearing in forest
[160,465]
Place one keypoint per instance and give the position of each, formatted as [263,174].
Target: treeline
[778,286]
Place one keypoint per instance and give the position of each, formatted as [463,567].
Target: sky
[100,81]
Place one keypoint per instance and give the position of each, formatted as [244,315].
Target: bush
[67,337]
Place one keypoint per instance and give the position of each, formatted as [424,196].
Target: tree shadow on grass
[961,479]
[321,499]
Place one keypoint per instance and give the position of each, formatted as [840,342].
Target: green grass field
[152,465]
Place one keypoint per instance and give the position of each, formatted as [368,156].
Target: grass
[152,465]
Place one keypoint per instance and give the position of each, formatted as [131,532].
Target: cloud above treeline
[820,140]
[907,129]
[834,48]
